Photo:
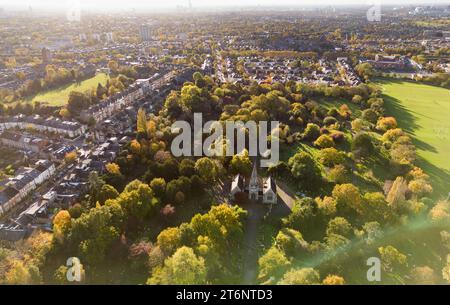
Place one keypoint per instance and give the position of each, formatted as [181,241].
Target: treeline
[53,77]
[79,101]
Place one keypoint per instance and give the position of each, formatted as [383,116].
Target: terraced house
[14,190]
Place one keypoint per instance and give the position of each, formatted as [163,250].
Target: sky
[159,4]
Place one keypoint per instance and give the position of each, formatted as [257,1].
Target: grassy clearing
[59,96]
[424,112]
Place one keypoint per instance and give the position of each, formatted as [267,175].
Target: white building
[257,189]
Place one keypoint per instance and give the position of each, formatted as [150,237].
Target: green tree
[392,258]
[272,266]
[183,268]
[158,185]
[341,226]
[241,164]
[304,168]
[206,168]
[362,144]
[107,192]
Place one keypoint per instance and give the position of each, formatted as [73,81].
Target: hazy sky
[117,4]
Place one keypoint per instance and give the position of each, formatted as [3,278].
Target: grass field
[59,96]
[424,112]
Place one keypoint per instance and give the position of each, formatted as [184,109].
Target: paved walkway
[256,212]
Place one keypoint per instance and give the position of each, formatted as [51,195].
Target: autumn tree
[347,196]
[333,280]
[303,276]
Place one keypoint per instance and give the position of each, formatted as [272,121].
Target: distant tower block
[46,56]
[190,4]
[145,31]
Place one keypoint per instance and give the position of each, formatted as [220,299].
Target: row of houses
[70,129]
[117,102]
[137,91]
[38,214]
[352,78]
[26,179]
[36,147]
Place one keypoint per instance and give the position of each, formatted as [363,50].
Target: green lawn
[424,112]
[59,96]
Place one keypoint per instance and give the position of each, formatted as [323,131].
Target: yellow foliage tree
[113,168]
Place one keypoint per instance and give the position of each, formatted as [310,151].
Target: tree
[241,164]
[272,265]
[358,125]
[347,197]
[386,123]
[370,116]
[340,226]
[183,268]
[324,141]
[362,144]
[420,187]
[331,156]
[138,200]
[327,205]
[18,274]
[71,157]
[60,275]
[365,70]
[64,113]
[206,168]
[440,213]
[375,207]
[338,174]
[141,121]
[61,224]
[392,258]
[446,270]
[77,102]
[304,168]
[95,184]
[291,242]
[93,233]
[107,192]
[397,193]
[113,168]
[158,185]
[304,217]
[113,66]
[135,147]
[333,280]
[303,276]
[423,275]
[187,167]
[169,240]
[312,132]
[357,99]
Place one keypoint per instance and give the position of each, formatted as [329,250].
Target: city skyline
[114,5]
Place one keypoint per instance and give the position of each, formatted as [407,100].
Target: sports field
[424,112]
[59,96]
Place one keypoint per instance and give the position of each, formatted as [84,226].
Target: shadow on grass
[440,178]
[407,120]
